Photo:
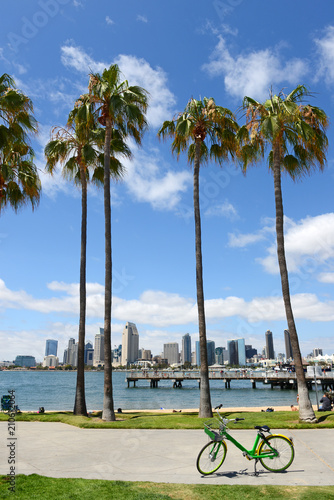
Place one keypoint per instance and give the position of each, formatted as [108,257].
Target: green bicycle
[275,451]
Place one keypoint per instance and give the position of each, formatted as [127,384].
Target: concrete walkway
[169,456]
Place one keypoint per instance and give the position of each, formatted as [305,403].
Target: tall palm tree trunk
[108,402]
[205,409]
[306,412]
[80,401]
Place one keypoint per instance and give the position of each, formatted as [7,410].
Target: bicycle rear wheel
[211,457]
[285,453]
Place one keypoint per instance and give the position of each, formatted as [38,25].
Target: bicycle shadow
[247,472]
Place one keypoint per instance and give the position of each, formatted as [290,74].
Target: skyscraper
[210,347]
[186,349]
[72,352]
[236,352]
[241,352]
[171,352]
[221,355]
[288,348]
[89,353]
[232,347]
[130,344]
[51,347]
[270,354]
[99,348]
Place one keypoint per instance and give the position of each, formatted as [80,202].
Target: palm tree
[120,108]
[294,134]
[19,180]
[78,149]
[206,131]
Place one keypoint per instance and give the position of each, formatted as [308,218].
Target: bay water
[56,391]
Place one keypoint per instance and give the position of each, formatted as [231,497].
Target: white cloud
[225,209]
[160,309]
[252,73]
[75,57]
[237,240]
[109,21]
[243,240]
[309,244]
[325,48]
[148,182]
[142,19]
[326,277]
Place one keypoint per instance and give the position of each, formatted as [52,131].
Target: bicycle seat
[263,428]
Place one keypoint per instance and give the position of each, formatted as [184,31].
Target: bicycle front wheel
[285,453]
[211,457]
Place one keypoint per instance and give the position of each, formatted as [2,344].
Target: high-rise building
[241,352]
[236,352]
[72,353]
[270,353]
[186,349]
[171,352]
[221,355]
[51,347]
[130,344]
[288,348]
[232,347]
[27,361]
[317,352]
[89,353]
[117,355]
[250,351]
[98,359]
[210,345]
[210,348]
[146,354]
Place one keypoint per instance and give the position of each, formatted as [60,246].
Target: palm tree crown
[283,124]
[19,180]
[203,122]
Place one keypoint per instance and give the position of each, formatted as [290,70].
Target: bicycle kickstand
[256,473]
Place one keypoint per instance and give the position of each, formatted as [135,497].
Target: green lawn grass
[183,420]
[40,487]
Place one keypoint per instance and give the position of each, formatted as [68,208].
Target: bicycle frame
[250,454]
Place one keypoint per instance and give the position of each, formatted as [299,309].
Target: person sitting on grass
[294,408]
[326,403]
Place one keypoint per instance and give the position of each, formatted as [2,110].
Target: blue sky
[176,51]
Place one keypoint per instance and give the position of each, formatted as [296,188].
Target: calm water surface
[56,391]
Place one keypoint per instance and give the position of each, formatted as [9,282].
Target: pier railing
[272,377]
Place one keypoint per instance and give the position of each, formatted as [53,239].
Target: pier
[284,380]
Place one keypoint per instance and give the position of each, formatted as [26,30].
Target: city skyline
[154,279]
[130,329]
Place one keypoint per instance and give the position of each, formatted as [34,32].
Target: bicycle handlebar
[226,419]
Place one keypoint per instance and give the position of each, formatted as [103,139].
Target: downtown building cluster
[128,354]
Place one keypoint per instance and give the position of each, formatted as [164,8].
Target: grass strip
[186,420]
[40,487]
